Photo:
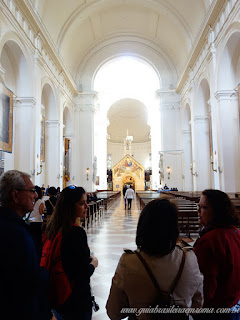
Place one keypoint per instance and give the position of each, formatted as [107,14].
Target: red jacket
[218,253]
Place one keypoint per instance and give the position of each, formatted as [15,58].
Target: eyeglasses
[200,207]
[72,187]
[30,190]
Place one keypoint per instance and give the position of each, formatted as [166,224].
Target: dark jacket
[50,204]
[23,281]
[76,264]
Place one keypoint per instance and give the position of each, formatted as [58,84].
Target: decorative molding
[200,119]
[2,71]
[24,102]
[209,34]
[52,123]
[168,107]
[225,94]
[186,132]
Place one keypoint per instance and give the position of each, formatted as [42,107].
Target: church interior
[87,83]
[102,94]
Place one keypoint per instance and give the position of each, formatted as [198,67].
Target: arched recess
[116,91]
[228,110]
[187,147]
[67,143]
[202,138]
[15,62]
[51,172]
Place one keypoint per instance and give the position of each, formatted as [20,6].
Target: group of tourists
[203,283]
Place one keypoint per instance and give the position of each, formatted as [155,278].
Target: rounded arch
[67,121]
[229,63]
[186,116]
[16,61]
[203,96]
[126,46]
[48,99]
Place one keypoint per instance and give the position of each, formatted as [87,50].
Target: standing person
[129,195]
[51,202]
[124,192]
[22,280]
[69,260]
[132,287]
[218,252]
[35,220]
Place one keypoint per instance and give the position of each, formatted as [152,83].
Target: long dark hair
[64,214]
[223,210]
[157,230]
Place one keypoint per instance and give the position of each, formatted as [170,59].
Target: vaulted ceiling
[78,26]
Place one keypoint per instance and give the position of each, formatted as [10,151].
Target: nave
[106,239]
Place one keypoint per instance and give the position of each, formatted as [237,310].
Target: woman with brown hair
[67,257]
[132,287]
[218,252]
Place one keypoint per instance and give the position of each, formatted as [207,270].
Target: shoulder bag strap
[51,203]
[149,271]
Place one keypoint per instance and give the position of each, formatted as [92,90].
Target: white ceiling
[80,28]
[77,26]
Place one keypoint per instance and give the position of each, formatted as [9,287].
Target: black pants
[129,203]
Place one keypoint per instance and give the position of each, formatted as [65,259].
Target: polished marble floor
[107,239]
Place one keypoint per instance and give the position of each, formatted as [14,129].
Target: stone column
[24,133]
[187,156]
[201,153]
[83,142]
[100,149]
[52,152]
[228,135]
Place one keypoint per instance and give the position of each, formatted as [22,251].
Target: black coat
[22,280]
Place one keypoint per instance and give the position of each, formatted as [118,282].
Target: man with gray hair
[22,279]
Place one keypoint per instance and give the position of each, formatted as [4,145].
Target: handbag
[165,299]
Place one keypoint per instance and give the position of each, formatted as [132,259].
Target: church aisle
[106,239]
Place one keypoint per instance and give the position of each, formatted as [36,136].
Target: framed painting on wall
[42,142]
[6,118]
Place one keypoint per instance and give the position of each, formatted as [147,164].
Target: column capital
[225,94]
[186,132]
[52,123]
[86,102]
[24,102]
[200,119]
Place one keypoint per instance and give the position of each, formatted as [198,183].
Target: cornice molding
[24,101]
[200,119]
[186,132]
[225,94]
[53,123]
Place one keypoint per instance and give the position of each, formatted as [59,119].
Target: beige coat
[132,287]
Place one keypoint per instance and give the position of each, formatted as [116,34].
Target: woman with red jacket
[218,252]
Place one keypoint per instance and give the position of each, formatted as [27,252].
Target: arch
[203,95]
[48,99]
[126,46]
[67,122]
[16,62]
[229,63]
[186,116]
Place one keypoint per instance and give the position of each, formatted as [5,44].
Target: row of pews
[97,207]
[187,207]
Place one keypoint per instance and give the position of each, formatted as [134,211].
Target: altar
[128,171]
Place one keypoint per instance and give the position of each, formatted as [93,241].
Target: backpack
[164,299]
[59,287]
